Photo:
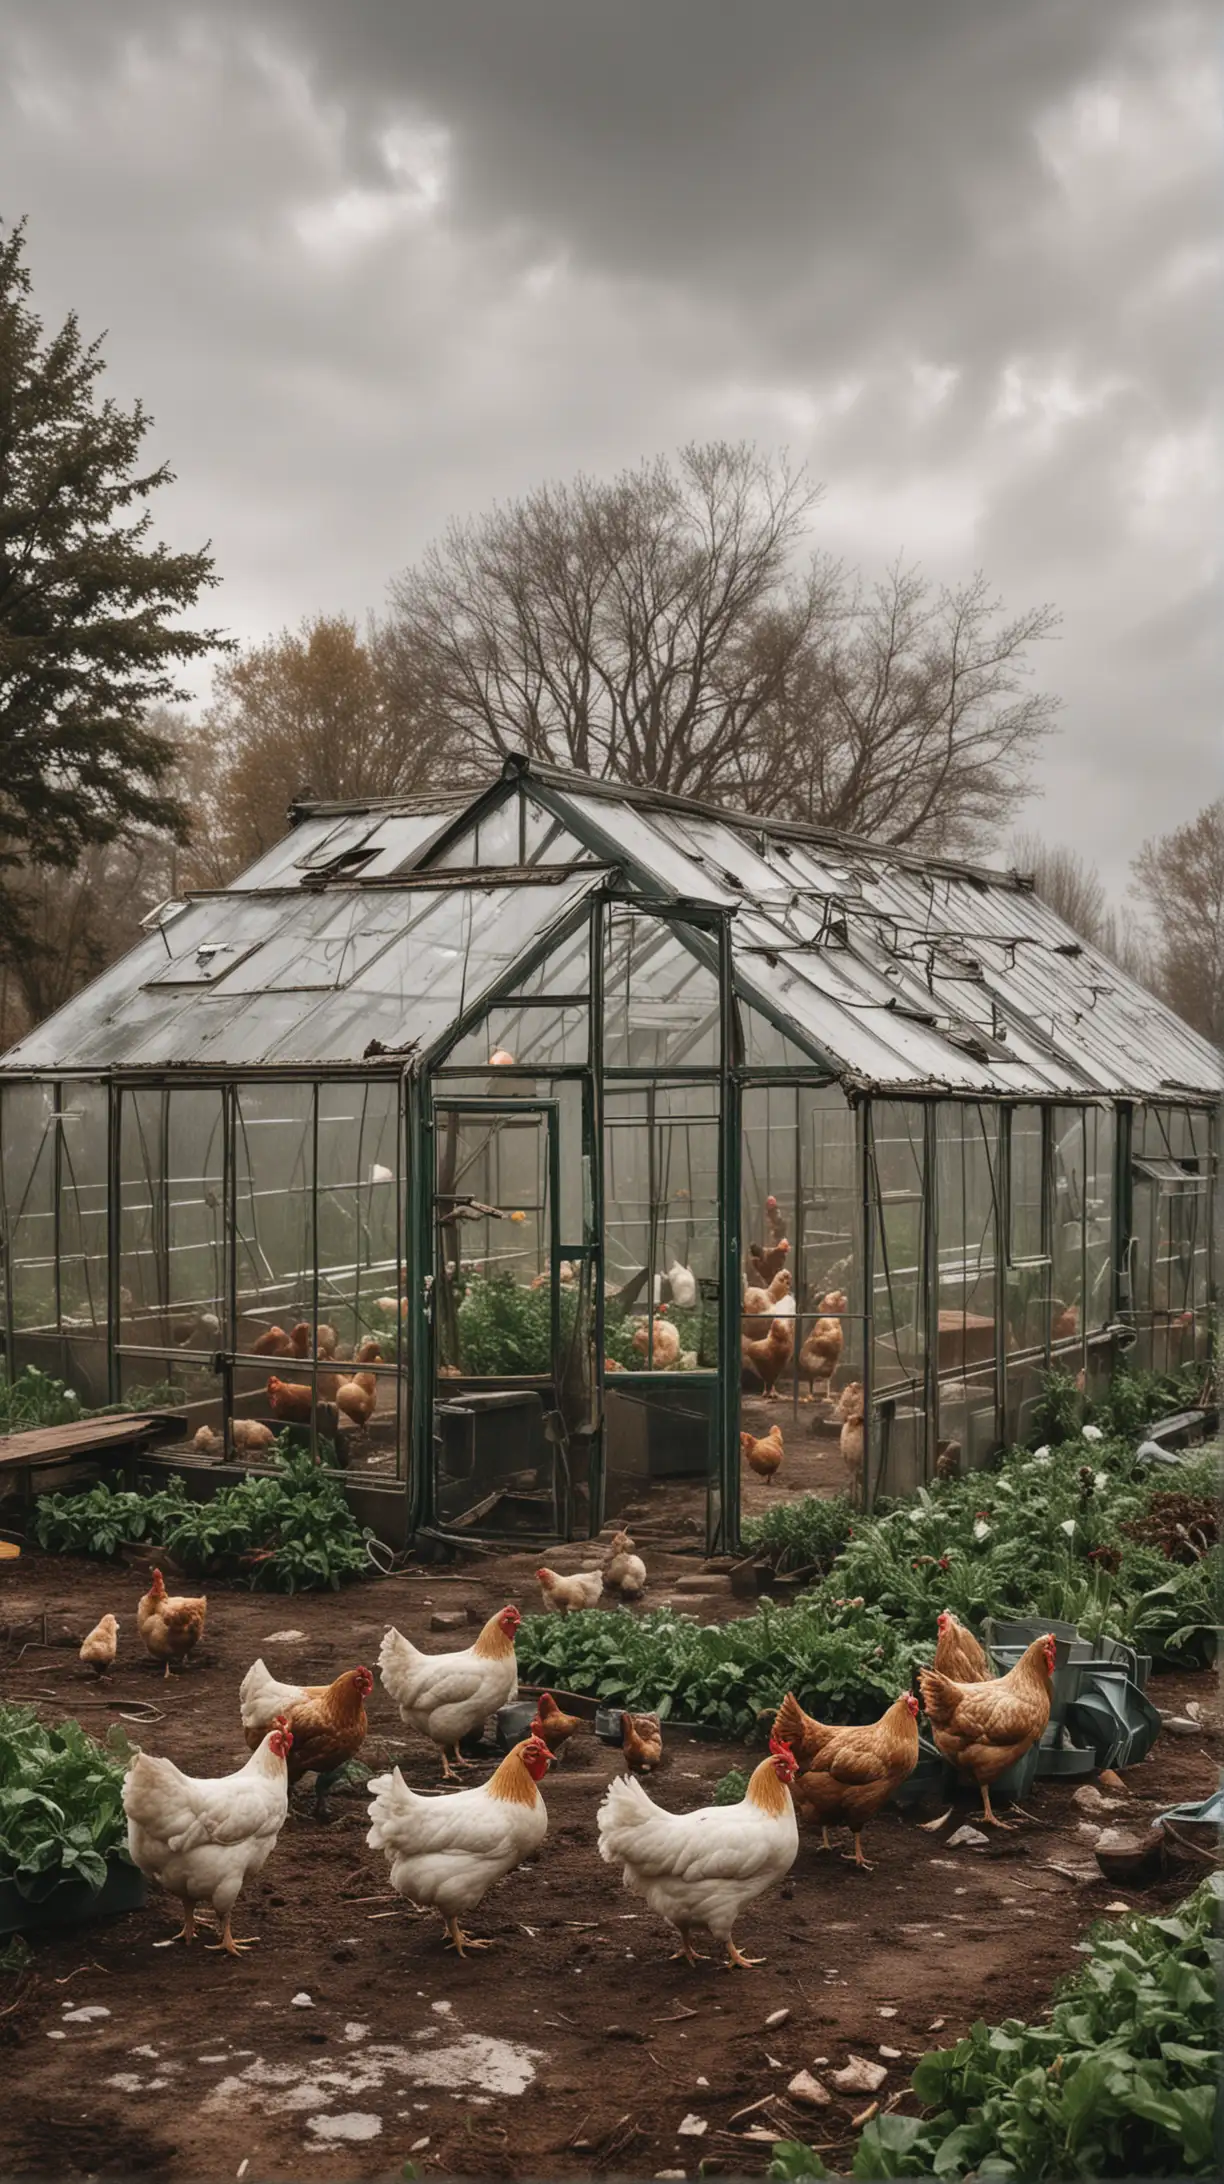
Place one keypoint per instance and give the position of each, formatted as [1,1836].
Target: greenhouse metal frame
[974,1145]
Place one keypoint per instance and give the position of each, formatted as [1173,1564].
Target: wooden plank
[83,1439]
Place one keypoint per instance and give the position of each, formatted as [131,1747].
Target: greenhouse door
[500,1444]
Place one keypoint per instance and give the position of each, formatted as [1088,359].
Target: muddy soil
[350,2040]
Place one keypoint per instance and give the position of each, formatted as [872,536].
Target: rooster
[169,1623]
[768,1360]
[641,1742]
[762,1456]
[984,1728]
[847,1774]
[704,1868]
[448,1696]
[328,1721]
[554,1727]
[448,1852]
[201,1838]
[567,1594]
[820,1353]
[958,1654]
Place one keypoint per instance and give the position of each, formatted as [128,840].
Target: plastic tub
[73,1903]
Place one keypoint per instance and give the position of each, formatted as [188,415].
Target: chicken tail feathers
[939,1697]
[625,1809]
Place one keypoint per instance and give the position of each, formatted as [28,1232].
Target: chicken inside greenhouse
[561,1154]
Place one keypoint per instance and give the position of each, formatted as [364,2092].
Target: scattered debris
[692,2127]
[804,2087]
[301,2001]
[893,2054]
[776,2018]
[931,1827]
[1089,1799]
[860,2076]
[886,2010]
[968,1838]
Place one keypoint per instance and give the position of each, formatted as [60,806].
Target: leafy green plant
[61,1803]
[1120,2082]
[288,1531]
[34,1399]
[801,1535]
[732,1789]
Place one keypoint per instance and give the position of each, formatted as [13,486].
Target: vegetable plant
[288,1531]
[61,1803]
[1121,2082]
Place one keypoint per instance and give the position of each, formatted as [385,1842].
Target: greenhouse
[502,1100]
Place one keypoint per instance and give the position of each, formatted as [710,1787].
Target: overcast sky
[376,264]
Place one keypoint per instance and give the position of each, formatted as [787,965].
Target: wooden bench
[99,1441]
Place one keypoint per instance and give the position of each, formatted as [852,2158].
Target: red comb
[778,1746]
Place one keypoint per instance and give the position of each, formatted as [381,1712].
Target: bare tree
[913,720]
[1180,877]
[1071,886]
[636,630]
[317,710]
[656,630]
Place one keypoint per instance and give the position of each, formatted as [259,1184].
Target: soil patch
[350,2041]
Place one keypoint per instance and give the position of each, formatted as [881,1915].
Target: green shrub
[61,1802]
[801,1535]
[1121,2082]
[34,1399]
[291,1531]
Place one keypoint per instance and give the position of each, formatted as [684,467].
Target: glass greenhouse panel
[765,1047]
[968,1430]
[1029,1273]
[661,1226]
[359,1216]
[528,1034]
[1099,1156]
[661,1005]
[1172,1196]
[966,1137]
[29,1162]
[274,1231]
[899,1211]
[1069,1213]
[82,1192]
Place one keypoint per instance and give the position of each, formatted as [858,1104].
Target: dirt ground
[350,2041]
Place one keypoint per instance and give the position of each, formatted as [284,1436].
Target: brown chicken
[764,1456]
[250,1435]
[328,1721]
[850,1441]
[641,1742]
[169,1623]
[983,1728]
[552,1726]
[769,1359]
[101,1646]
[357,1398]
[821,1352]
[368,1352]
[774,1221]
[846,1775]
[325,1344]
[1065,1323]
[766,1261]
[958,1654]
[758,1305]
[275,1343]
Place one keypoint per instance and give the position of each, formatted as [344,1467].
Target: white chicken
[582,1590]
[624,1571]
[704,1868]
[201,1837]
[448,1696]
[447,1852]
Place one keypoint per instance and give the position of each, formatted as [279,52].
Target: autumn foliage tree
[92,635]
[319,712]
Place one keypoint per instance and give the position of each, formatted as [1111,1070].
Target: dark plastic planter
[513,1723]
[1015,1784]
[931,1777]
[73,1903]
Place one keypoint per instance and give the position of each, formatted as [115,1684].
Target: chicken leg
[736,1956]
[686,1949]
[858,1859]
[186,1932]
[233,1944]
[462,1942]
[989,1815]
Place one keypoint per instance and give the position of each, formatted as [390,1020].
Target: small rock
[302,2001]
[703,2081]
[448,1619]
[937,2024]
[668,2176]
[886,2011]
[804,2087]
[418,2146]
[1115,1906]
[1088,1829]
[967,1838]
[626,2032]
[285,1638]
[776,2018]
[693,2127]
[1089,1799]
[860,2076]
[893,2054]
[1180,1725]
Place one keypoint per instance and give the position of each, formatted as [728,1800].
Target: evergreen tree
[91,635]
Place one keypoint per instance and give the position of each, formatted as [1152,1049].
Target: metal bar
[723,1535]
[868,1186]
[114,1216]
[597,1476]
[419,1276]
[928,1301]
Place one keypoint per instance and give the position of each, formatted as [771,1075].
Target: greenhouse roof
[888,969]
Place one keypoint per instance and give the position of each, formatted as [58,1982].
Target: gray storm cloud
[378,265]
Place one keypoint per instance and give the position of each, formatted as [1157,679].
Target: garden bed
[201,2062]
